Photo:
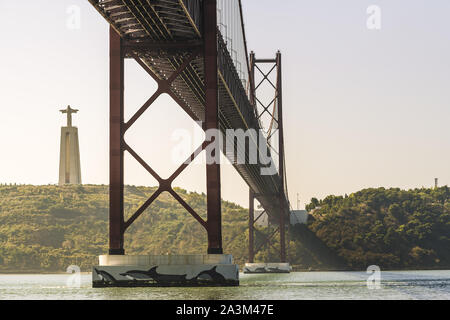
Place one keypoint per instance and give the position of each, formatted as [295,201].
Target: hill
[391,228]
[48,228]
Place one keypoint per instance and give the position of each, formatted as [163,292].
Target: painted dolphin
[137,275]
[165,277]
[211,275]
[105,276]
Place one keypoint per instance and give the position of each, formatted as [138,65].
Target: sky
[363,107]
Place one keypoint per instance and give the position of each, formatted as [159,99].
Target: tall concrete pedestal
[208,270]
[69,162]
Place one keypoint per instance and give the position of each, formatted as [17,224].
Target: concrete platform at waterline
[277,267]
[209,270]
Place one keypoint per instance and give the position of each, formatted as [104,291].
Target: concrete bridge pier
[165,271]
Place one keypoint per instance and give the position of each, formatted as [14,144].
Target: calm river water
[297,285]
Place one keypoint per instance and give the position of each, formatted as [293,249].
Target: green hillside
[393,228]
[47,228]
[51,227]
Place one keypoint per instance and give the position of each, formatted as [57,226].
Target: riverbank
[358,270]
[31,272]
[294,269]
[45,229]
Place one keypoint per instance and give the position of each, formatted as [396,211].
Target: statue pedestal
[207,270]
[69,163]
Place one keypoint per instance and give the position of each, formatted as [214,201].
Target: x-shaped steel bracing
[165,185]
[276,119]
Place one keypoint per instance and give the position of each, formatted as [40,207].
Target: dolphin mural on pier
[105,276]
[152,274]
[166,277]
[210,275]
[137,275]
[152,277]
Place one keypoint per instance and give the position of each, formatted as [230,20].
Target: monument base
[209,270]
[267,268]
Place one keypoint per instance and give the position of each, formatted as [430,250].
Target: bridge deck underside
[175,21]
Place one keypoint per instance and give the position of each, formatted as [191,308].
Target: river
[393,285]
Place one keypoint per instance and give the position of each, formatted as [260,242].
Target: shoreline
[359,270]
[37,272]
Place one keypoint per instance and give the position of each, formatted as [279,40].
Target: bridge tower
[196,52]
[274,109]
[214,267]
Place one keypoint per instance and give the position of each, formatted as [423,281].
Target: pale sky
[363,108]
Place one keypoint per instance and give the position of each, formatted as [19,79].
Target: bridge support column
[280,199]
[116,167]
[214,222]
[281,166]
[282,233]
[213,269]
[251,224]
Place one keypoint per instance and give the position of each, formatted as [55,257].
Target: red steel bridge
[196,51]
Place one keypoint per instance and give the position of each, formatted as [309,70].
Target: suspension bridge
[196,51]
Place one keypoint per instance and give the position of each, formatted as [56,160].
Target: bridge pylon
[273,108]
[196,52]
[213,268]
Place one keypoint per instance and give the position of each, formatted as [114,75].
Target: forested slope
[391,228]
[47,228]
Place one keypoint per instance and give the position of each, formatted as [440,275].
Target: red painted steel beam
[280,198]
[214,222]
[116,166]
[267,238]
[252,81]
[251,224]
[251,211]
[281,161]
[165,185]
[165,87]
[266,61]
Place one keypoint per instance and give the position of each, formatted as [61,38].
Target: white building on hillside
[296,217]
[299,217]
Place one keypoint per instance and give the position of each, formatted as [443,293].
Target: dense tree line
[391,228]
[48,228]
